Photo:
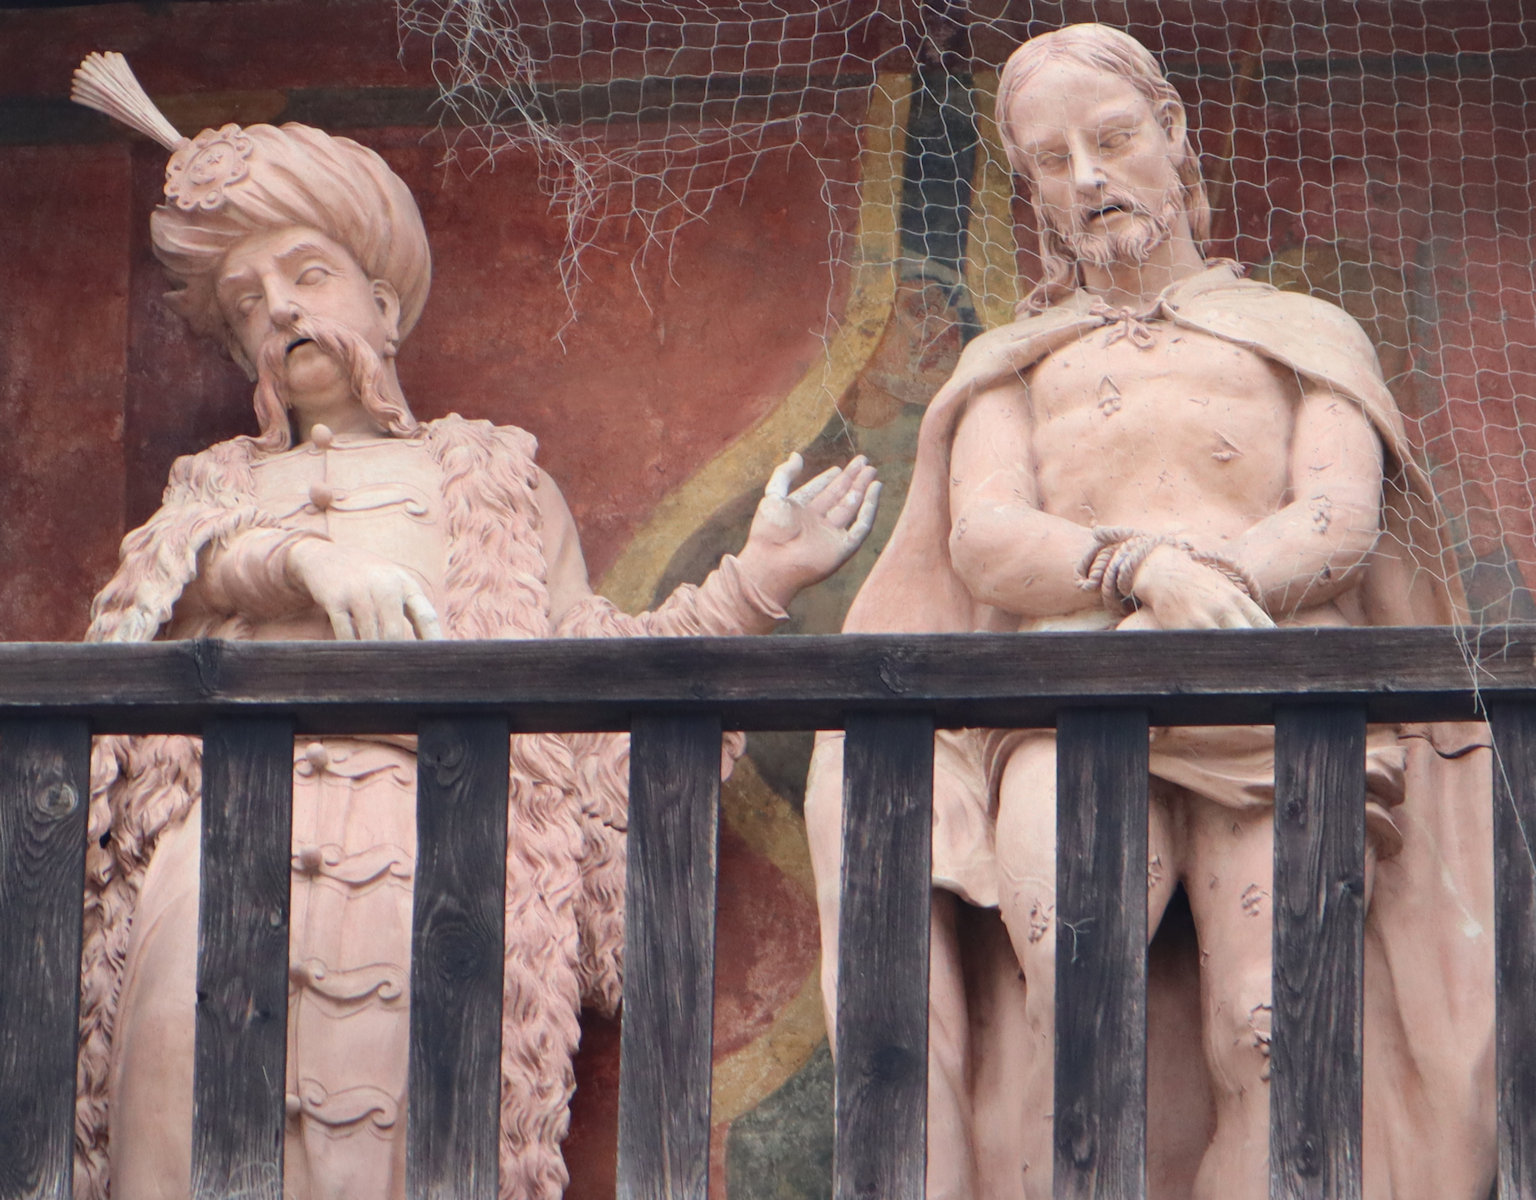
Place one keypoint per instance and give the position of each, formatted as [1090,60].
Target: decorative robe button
[321,495]
[319,757]
[321,436]
[308,860]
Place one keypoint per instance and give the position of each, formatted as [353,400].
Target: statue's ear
[388,300]
[1170,115]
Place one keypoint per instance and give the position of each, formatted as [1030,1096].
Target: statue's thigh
[1026,823]
[152,1053]
[1026,844]
[1229,871]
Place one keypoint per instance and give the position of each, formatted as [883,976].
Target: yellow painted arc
[991,247]
[631,581]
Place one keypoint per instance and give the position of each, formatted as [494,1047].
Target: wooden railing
[248,700]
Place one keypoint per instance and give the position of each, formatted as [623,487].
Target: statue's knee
[1240,1026]
[1030,918]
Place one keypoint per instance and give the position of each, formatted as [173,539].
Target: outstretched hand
[799,538]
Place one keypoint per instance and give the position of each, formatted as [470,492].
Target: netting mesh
[1372,152]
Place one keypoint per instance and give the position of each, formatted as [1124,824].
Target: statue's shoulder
[219,474]
[1248,307]
[502,440]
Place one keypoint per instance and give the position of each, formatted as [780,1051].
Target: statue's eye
[246,303]
[312,275]
[1113,141]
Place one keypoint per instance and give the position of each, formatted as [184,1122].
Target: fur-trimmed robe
[567,795]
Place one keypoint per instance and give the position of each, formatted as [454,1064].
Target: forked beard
[371,384]
[1132,246]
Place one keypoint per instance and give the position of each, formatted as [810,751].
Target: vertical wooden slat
[1319,923]
[1101,954]
[1514,890]
[44,792]
[242,958]
[882,1003]
[669,958]
[457,959]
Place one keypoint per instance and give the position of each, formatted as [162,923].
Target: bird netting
[1373,152]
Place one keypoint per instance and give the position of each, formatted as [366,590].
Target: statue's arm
[1306,553]
[1007,551]
[1312,549]
[797,538]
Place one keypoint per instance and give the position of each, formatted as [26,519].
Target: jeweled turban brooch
[200,169]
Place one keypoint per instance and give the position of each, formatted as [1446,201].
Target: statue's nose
[285,313]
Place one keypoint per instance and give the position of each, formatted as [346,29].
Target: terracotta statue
[306,258]
[1158,443]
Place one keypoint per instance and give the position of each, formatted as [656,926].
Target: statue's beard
[1141,231]
[373,386]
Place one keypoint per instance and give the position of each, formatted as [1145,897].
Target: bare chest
[1190,416]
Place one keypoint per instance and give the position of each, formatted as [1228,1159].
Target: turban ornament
[200,168]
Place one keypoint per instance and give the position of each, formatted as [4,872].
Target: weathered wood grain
[1514,863]
[882,1004]
[669,958]
[1318,900]
[1100,1127]
[242,959]
[44,792]
[456,959]
[1007,680]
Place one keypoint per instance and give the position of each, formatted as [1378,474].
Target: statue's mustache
[362,364]
[335,339]
[1082,214]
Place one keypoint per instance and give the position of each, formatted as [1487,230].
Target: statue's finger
[865,521]
[806,494]
[423,618]
[837,485]
[1256,615]
[783,475]
[341,625]
[393,626]
[365,617]
[842,512]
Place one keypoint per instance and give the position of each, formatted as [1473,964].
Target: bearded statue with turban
[345,517]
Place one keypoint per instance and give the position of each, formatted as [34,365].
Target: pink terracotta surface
[1156,442]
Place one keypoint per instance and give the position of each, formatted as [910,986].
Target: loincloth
[1233,766]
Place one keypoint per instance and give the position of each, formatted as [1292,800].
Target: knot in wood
[892,1066]
[457,952]
[891,675]
[57,799]
[1074,1138]
[205,654]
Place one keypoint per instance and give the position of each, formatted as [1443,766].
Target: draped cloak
[1429,1095]
[567,795]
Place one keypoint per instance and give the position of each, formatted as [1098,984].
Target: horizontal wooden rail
[1318,687]
[1006,680]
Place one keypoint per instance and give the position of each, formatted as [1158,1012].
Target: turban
[226,184]
[229,183]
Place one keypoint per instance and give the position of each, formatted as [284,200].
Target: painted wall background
[1379,152]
